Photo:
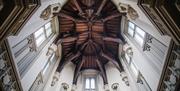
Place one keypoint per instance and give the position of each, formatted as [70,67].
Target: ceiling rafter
[64,62]
[66,39]
[111,17]
[77,70]
[102,70]
[78,7]
[100,7]
[65,16]
[113,61]
[111,39]
[87,28]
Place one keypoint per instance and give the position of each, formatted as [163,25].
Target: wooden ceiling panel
[95,24]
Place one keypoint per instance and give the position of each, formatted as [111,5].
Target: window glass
[45,68]
[127,58]
[130,32]
[48,29]
[131,25]
[48,32]
[52,57]
[87,83]
[139,39]
[140,32]
[39,36]
[137,33]
[40,40]
[39,32]
[92,83]
[48,25]
[134,69]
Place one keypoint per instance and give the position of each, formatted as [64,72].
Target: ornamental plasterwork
[131,12]
[48,12]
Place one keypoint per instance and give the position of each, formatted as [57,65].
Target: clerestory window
[90,84]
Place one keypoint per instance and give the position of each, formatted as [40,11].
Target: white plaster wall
[113,76]
[143,21]
[100,83]
[145,67]
[66,76]
[34,23]
[39,63]
[80,82]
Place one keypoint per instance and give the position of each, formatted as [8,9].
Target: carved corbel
[7,79]
[55,78]
[52,48]
[147,47]
[131,13]
[128,49]
[124,78]
[31,44]
[65,86]
[106,87]
[48,12]
[74,87]
[2,64]
[115,86]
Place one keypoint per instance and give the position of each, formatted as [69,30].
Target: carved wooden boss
[90,35]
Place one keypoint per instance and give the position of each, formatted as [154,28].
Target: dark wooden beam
[65,16]
[111,17]
[78,7]
[112,60]
[77,70]
[63,62]
[66,39]
[103,71]
[117,40]
[120,64]
[100,7]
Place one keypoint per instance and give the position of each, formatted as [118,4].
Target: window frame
[136,33]
[26,50]
[49,28]
[95,83]
[45,35]
[40,35]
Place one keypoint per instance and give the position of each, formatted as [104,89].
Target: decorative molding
[147,47]
[55,78]
[124,78]
[170,78]
[131,13]
[115,86]
[8,77]
[48,12]
[128,49]
[160,14]
[65,86]
[52,48]
[106,87]
[74,87]
[15,16]
[37,83]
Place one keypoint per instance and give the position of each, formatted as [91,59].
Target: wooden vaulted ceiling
[90,35]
